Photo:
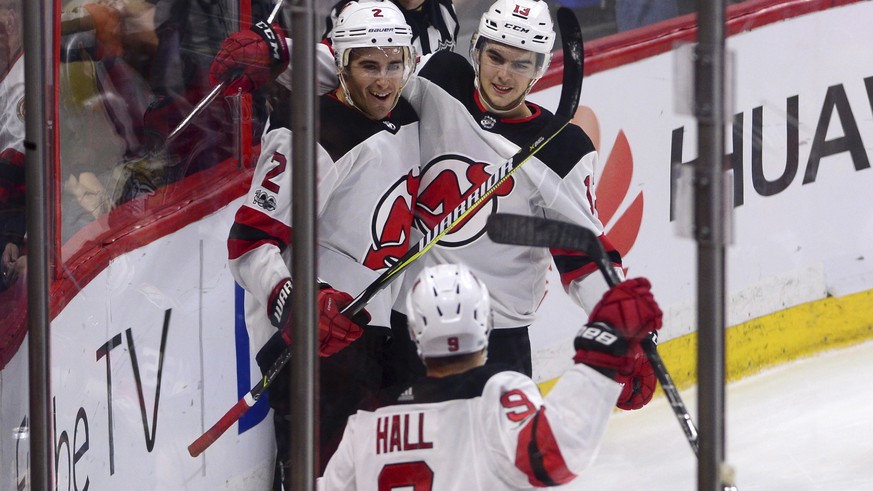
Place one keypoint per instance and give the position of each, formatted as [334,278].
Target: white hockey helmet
[523,24]
[369,24]
[449,312]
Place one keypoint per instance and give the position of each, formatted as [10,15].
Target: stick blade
[574,61]
[506,228]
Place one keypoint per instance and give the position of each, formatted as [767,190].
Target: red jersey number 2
[269,183]
[417,475]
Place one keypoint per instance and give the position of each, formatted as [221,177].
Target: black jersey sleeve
[451,72]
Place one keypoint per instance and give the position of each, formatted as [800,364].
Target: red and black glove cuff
[601,347]
[279,303]
[638,387]
[275,39]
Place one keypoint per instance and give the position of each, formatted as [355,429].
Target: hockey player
[12,220]
[475,117]
[367,174]
[434,23]
[246,62]
[472,426]
[491,119]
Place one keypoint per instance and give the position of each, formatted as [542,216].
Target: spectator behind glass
[131,71]
[12,220]
[630,14]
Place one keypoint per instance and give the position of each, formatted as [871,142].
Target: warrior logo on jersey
[391,126]
[488,122]
[445,182]
[391,224]
[21,110]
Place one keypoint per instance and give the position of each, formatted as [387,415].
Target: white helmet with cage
[372,24]
[449,312]
[522,24]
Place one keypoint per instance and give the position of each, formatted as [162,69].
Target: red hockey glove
[248,60]
[335,330]
[630,308]
[639,385]
[603,348]
[610,341]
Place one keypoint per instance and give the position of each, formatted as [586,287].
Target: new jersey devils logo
[391,224]
[447,181]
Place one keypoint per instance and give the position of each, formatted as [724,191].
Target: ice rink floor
[803,426]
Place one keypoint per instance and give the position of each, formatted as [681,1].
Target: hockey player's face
[505,74]
[374,78]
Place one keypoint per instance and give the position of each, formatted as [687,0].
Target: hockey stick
[569,101]
[541,232]
[572,85]
[208,98]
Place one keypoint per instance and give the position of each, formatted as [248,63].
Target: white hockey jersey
[461,146]
[366,183]
[480,430]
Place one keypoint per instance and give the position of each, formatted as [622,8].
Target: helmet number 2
[454,344]
[377,13]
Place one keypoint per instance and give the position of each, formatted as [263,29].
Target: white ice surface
[803,426]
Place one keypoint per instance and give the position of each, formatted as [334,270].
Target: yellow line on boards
[780,337]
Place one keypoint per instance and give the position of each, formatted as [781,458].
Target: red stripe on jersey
[586,264]
[552,461]
[271,231]
[238,247]
[566,256]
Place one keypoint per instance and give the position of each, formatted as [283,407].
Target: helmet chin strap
[347,96]
[349,101]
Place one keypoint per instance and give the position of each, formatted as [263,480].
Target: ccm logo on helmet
[516,28]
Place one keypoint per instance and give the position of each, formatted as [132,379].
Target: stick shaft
[543,232]
[208,98]
[569,100]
